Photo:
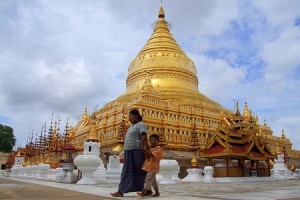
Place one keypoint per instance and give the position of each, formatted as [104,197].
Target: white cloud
[279,13]
[218,21]
[217,78]
[282,55]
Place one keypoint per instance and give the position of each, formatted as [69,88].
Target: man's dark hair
[155,136]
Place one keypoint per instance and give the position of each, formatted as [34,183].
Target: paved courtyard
[15,188]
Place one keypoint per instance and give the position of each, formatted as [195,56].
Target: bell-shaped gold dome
[172,73]
[169,67]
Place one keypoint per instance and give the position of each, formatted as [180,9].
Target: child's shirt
[152,164]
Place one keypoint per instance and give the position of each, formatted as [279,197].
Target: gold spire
[161,13]
[282,134]
[194,145]
[246,114]
[92,135]
[55,130]
[237,109]
[256,119]
[194,139]
[85,114]
[122,131]
[19,153]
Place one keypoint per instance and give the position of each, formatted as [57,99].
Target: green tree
[7,138]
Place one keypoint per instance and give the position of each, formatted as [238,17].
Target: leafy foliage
[7,139]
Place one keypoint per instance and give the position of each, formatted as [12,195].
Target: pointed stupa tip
[282,134]
[161,13]
[85,114]
[18,152]
[237,109]
[246,106]
[246,111]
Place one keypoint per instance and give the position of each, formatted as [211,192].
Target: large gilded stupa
[162,84]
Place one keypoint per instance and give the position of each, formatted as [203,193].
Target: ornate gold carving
[194,139]
[162,137]
[122,132]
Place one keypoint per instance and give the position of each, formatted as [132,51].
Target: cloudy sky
[61,56]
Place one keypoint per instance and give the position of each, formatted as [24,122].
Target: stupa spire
[85,114]
[246,113]
[161,13]
[93,135]
[122,130]
[282,134]
[237,109]
[55,129]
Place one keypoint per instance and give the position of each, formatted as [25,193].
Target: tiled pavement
[287,189]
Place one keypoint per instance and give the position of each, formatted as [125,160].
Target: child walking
[151,166]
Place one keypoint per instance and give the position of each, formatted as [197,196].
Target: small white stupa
[114,169]
[297,173]
[115,164]
[100,173]
[169,170]
[19,160]
[208,174]
[194,173]
[280,171]
[43,170]
[90,160]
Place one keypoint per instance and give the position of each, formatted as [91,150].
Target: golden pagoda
[162,84]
